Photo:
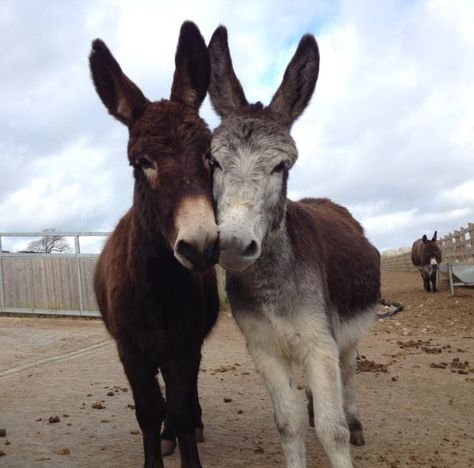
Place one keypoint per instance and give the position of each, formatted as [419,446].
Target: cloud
[392,120]
[389,132]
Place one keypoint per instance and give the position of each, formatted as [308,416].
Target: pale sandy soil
[414,414]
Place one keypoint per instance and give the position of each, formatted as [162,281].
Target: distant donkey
[155,307]
[426,256]
[303,281]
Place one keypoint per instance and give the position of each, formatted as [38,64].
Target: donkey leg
[324,377]
[426,281]
[288,404]
[348,368]
[149,403]
[198,425]
[181,380]
[433,281]
[168,436]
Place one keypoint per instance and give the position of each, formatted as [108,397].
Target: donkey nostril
[185,249]
[251,249]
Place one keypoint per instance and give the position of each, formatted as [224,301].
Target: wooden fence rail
[54,284]
[456,247]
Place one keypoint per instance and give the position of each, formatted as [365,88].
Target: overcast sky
[389,132]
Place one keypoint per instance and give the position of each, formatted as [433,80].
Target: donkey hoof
[357,438]
[199,434]
[167,447]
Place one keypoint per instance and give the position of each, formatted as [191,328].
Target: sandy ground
[416,392]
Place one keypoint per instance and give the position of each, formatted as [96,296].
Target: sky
[389,132]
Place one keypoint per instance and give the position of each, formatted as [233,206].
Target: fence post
[2,296]
[450,272]
[77,248]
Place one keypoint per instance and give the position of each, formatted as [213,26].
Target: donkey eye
[144,163]
[212,161]
[278,168]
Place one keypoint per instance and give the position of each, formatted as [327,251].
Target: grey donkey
[302,279]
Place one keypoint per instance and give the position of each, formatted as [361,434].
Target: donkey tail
[397,307]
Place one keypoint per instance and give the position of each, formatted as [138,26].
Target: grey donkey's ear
[298,82]
[122,97]
[191,76]
[225,89]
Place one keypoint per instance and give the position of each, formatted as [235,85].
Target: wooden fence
[54,284]
[398,262]
[45,283]
[41,283]
[456,247]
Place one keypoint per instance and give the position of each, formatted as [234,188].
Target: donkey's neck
[276,260]
[271,282]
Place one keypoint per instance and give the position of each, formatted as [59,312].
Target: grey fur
[279,298]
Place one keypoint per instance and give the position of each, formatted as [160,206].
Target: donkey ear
[122,97]
[433,239]
[191,76]
[225,89]
[298,82]
[424,239]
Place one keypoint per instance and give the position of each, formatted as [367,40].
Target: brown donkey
[156,308]
[426,256]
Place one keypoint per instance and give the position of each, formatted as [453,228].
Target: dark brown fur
[325,234]
[422,253]
[158,311]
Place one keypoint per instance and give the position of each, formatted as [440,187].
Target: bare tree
[50,243]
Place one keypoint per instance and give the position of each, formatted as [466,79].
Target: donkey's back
[326,235]
[417,253]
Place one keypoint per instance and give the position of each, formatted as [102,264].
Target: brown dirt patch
[414,414]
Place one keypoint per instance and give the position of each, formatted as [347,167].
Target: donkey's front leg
[433,280]
[288,404]
[180,377]
[324,378]
[168,436]
[426,280]
[149,403]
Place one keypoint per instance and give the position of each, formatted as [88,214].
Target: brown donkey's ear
[191,76]
[225,89]
[424,239]
[298,82]
[433,239]
[122,97]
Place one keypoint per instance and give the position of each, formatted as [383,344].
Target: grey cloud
[387,133]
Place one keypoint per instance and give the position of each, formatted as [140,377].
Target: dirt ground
[415,388]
